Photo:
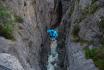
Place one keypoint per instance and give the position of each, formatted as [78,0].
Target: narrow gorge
[26,45]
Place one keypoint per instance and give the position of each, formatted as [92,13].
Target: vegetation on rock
[90,9]
[7,22]
[18,19]
[75,32]
[97,54]
[93,1]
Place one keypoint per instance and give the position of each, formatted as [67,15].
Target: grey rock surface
[80,17]
[31,45]
[30,49]
[9,62]
[4,68]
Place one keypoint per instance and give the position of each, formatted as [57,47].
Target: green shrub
[90,53]
[93,1]
[75,32]
[93,8]
[18,19]
[97,54]
[76,38]
[90,9]
[6,23]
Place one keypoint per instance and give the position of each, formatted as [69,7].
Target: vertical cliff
[29,42]
[24,43]
[83,25]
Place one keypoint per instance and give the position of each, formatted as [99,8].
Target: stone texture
[88,31]
[31,45]
[10,62]
[77,60]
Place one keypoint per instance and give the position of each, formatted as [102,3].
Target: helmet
[52,33]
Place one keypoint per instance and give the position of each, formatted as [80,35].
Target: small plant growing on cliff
[93,8]
[6,23]
[90,9]
[18,19]
[75,32]
[97,54]
[93,1]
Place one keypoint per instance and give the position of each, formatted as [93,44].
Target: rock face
[82,20]
[10,62]
[76,58]
[31,44]
[29,51]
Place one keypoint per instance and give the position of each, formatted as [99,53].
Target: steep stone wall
[82,20]
[31,44]
[30,48]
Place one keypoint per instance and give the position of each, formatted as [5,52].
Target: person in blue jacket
[53,34]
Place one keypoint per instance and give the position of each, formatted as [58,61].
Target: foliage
[18,19]
[93,8]
[93,1]
[75,32]
[6,23]
[97,54]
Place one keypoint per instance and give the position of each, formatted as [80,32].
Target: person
[53,34]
